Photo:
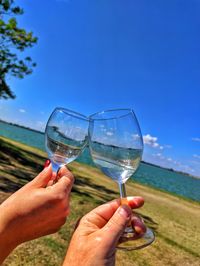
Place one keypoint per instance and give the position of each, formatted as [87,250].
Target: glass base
[129,241]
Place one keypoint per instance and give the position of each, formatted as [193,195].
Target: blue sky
[101,54]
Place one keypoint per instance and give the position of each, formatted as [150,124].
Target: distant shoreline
[171,170]
[148,163]
[13,124]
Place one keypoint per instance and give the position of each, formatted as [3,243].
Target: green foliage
[13,40]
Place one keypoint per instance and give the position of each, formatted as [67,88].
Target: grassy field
[176,221]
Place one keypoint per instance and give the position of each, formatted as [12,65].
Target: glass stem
[122,191]
[124,201]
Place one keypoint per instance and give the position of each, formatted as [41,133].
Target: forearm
[7,243]
[5,250]
[7,235]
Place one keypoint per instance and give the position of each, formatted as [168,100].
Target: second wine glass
[65,136]
[116,147]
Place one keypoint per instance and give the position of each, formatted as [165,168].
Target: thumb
[117,224]
[43,178]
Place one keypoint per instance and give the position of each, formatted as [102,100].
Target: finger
[47,163]
[63,171]
[53,180]
[138,225]
[64,184]
[135,202]
[112,231]
[50,183]
[102,214]
[43,178]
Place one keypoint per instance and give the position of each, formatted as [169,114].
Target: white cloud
[158,154]
[168,146]
[108,133]
[22,111]
[167,160]
[196,139]
[151,141]
[196,156]
[188,166]
[135,137]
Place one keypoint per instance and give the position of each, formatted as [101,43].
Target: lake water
[154,176]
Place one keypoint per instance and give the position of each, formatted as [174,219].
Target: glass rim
[129,110]
[72,113]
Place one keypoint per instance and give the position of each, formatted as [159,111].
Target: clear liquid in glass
[61,153]
[119,169]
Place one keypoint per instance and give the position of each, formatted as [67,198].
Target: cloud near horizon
[168,162]
[152,141]
[196,156]
[22,111]
[196,139]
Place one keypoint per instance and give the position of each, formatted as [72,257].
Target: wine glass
[116,147]
[65,136]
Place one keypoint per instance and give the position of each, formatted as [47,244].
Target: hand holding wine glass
[98,232]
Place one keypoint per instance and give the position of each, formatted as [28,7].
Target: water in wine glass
[120,165]
[65,136]
[61,153]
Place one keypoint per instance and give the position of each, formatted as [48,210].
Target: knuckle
[57,198]
[62,196]
[66,184]
[85,220]
[69,178]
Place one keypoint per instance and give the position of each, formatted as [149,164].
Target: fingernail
[138,229]
[47,163]
[124,211]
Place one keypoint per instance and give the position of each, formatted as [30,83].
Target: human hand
[37,209]
[96,237]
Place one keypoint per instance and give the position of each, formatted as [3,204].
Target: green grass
[174,219]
